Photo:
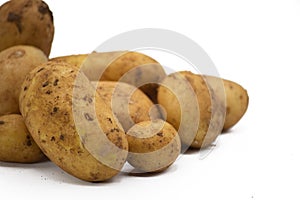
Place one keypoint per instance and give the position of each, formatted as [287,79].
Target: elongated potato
[192,108]
[129,104]
[71,124]
[153,145]
[15,63]
[236,100]
[133,68]
[26,22]
[16,143]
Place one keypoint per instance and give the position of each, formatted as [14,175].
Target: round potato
[236,98]
[16,143]
[192,108]
[130,67]
[129,104]
[26,22]
[15,63]
[80,136]
[153,145]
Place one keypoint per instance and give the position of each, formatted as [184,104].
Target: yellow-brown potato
[192,108]
[58,105]
[16,143]
[129,104]
[130,67]
[26,22]
[153,145]
[236,100]
[15,63]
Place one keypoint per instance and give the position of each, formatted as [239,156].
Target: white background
[255,43]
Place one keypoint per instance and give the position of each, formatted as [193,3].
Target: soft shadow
[138,173]
[227,131]
[51,172]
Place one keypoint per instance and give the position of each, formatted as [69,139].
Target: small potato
[129,104]
[153,145]
[130,67]
[236,100]
[26,22]
[15,63]
[58,104]
[16,143]
[192,108]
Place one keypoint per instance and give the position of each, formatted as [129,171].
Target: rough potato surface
[57,102]
[153,145]
[16,143]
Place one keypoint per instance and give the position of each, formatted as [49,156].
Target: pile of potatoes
[92,113]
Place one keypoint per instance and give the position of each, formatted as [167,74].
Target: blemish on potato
[88,99]
[160,134]
[40,69]
[88,117]
[45,84]
[62,137]
[55,82]
[109,119]
[2,122]
[227,110]
[17,54]
[52,139]
[55,109]
[29,143]
[25,88]
[114,129]
[15,18]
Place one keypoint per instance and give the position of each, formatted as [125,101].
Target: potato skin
[130,67]
[15,63]
[57,103]
[129,104]
[153,145]
[198,116]
[16,143]
[236,98]
[26,22]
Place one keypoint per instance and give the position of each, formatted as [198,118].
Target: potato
[129,104]
[236,100]
[192,108]
[26,22]
[15,63]
[134,68]
[153,145]
[16,143]
[80,136]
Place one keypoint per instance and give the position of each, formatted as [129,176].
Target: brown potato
[15,63]
[134,68]
[192,108]
[129,104]
[236,100]
[26,22]
[153,145]
[16,143]
[58,105]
